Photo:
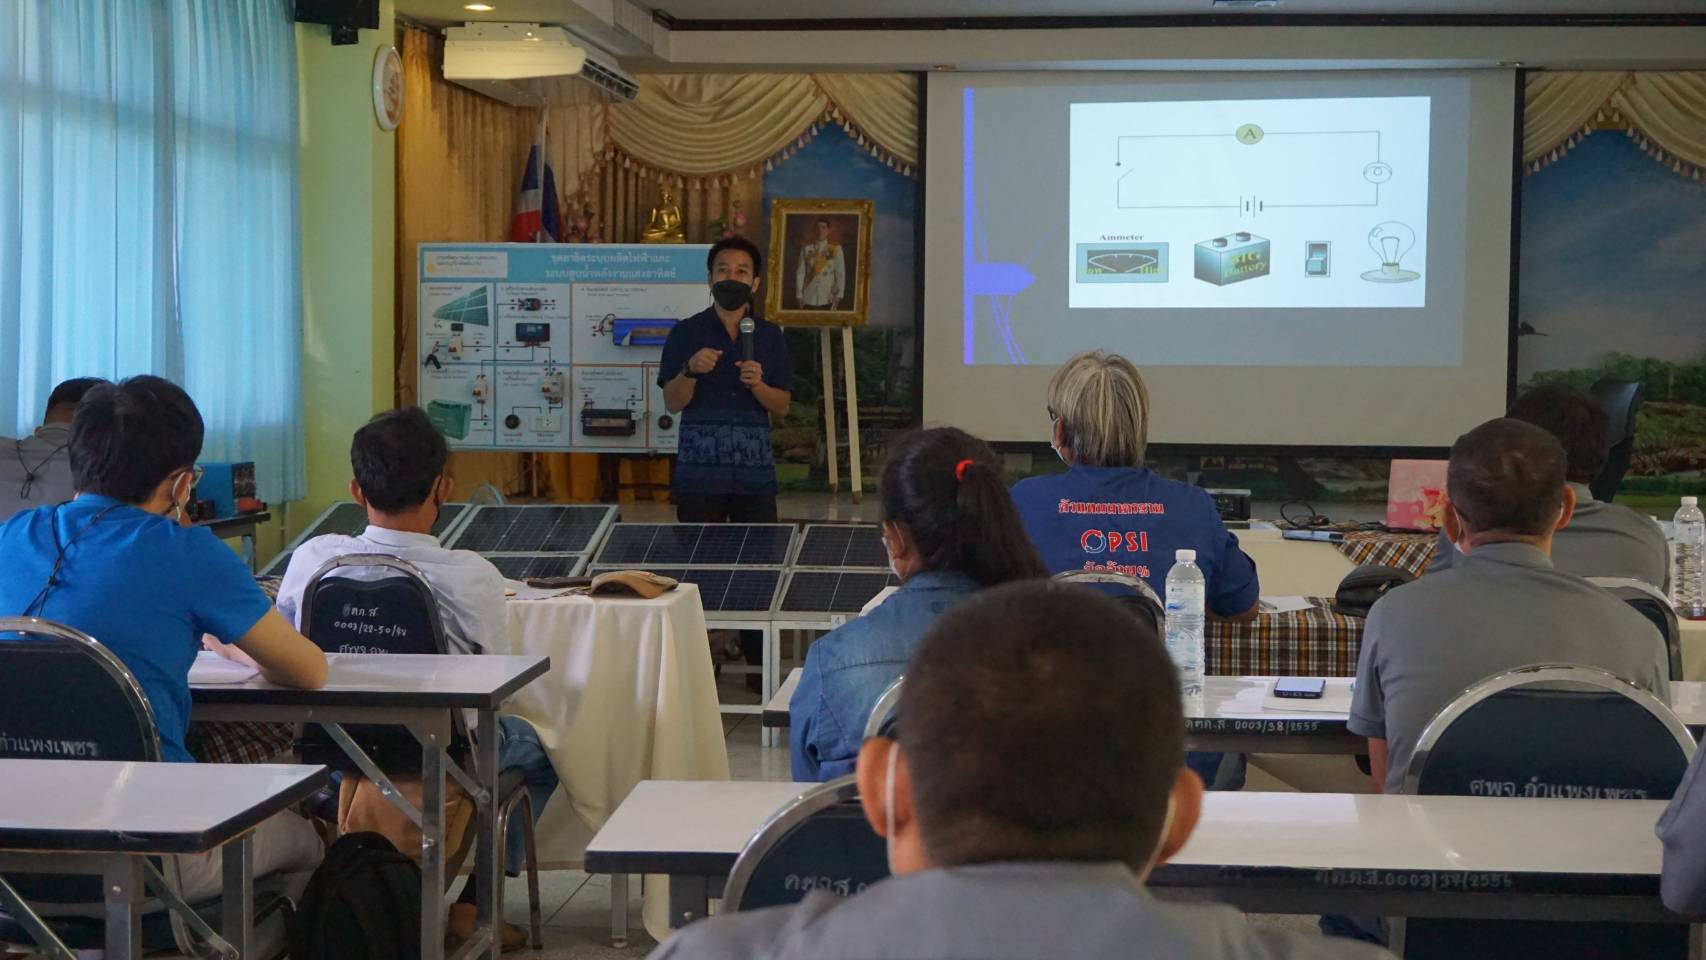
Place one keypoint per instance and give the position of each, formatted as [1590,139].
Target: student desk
[1269,852]
[106,818]
[1237,716]
[421,693]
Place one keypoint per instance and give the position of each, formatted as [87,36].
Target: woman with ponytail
[950,529]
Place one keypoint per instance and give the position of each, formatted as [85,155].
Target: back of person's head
[1104,404]
[65,397]
[1576,419]
[128,437]
[945,487]
[1507,475]
[398,457]
[1041,721]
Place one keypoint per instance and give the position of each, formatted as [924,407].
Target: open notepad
[211,668]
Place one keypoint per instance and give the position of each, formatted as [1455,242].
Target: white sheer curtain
[148,155]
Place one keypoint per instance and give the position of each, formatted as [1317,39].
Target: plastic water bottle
[1688,581]
[1185,589]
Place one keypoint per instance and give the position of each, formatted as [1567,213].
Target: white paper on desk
[516,590]
[1336,698]
[211,668]
[1285,604]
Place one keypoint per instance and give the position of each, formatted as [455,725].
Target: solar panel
[534,528]
[696,545]
[833,591]
[724,591]
[349,519]
[842,545]
[522,566]
[469,308]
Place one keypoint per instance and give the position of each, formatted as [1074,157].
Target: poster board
[551,346]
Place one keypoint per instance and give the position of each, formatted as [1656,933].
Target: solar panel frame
[745,545]
[350,518]
[841,598]
[516,528]
[520,566]
[760,584]
[841,546]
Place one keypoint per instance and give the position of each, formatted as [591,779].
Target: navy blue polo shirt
[724,445]
[1128,520]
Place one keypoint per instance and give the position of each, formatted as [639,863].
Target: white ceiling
[555,11]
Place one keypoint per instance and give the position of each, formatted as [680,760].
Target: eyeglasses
[196,474]
[1052,416]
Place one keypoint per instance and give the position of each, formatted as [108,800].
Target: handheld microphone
[747,326]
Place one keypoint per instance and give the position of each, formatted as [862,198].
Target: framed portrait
[820,263]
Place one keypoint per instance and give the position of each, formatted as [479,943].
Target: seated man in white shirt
[399,461]
[35,471]
[1021,818]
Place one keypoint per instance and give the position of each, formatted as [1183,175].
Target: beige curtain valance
[1663,112]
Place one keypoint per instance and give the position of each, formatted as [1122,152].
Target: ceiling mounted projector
[531,65]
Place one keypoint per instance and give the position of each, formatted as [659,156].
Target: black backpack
[363,903]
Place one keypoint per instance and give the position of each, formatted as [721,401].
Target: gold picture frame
[820,263]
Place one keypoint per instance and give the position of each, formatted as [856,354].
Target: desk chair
[818,841]
[1137,594]
[883,709]
[1548,731]
[110,720]
[397,613]
[1650,602]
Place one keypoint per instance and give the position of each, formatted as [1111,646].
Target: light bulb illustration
[1391,241]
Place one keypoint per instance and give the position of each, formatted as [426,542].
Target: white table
[1273,852]
[1236,715]
[630,696]
[106,818]
[422,693]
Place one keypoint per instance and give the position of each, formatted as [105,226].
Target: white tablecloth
[630,696]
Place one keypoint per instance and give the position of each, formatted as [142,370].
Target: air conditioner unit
[527,64]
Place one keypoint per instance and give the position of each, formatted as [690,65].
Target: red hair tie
[961,468]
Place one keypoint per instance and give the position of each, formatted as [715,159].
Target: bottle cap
[1185,556]
[1691,501]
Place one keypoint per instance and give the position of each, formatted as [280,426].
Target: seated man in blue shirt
[950,530]
[1033,778]
[122,564]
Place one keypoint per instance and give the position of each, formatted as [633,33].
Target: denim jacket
[848,668]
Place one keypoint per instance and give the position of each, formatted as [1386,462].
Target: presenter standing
[726,382]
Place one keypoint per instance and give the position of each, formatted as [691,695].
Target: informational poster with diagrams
[1249,203]
[552,346]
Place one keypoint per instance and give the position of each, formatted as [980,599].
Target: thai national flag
[537,219]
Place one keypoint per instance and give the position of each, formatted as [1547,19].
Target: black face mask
[731,294]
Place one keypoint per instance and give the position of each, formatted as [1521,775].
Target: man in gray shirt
[35,470]
[1501,604]
[1021,816]
[1602,539]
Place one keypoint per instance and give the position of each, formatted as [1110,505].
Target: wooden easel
[852,412]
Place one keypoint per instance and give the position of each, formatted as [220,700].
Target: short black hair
[1507,475]
[71,392]
[1041,721]
[397,457]
[736,243]
[127,437]
[960,519]
[823,220]
[1576,419]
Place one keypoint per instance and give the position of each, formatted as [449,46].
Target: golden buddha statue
[664,226]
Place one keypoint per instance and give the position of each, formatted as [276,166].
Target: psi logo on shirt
[1114,541]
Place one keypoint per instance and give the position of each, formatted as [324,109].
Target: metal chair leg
[531,855]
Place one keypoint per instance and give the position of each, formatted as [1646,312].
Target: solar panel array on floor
[842,546]
[532,528]
[650,545]
[722,590]
[349,519]
[833,591]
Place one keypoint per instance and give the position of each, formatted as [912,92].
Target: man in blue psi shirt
[726,383]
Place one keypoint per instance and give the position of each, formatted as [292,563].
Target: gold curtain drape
[1662,111]
[457,176]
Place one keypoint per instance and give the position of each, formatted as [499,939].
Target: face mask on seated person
[731,294]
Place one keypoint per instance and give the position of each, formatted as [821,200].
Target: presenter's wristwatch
[687,371]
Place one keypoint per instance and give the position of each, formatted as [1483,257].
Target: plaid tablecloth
[1317,642]
[1406,551]
[241,741]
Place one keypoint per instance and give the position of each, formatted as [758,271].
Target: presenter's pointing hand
[704,361]
[751,373]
